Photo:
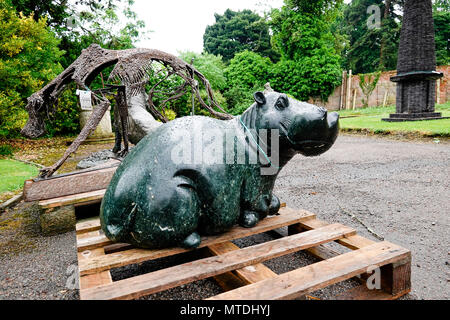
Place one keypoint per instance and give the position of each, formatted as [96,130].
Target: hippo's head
[303,127]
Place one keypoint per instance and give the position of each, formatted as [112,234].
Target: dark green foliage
[368,83]
[313,76]
[29,58]
[6,150]
[247,70]
[441,5]
[235,32]
[65,118]
[310,64]
[240,99]
[96,23]
[211,66]
[371,49]
[246,74]
[442,27]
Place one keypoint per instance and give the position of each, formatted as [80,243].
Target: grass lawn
[13,174]
[369,119]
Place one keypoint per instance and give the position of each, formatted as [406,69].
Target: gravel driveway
[386,189]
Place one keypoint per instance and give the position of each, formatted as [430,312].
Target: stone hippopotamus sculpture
[155,200]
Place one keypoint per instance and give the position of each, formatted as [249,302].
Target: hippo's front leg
[264,206]
[249,219]
[275,205]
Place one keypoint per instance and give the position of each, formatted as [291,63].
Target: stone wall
[385,89]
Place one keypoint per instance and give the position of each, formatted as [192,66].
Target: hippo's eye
[282,102]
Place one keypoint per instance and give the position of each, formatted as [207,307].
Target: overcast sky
[179,25]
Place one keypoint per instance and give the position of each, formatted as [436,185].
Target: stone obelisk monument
[416,68]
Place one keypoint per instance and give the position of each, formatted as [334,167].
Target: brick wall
[385,89]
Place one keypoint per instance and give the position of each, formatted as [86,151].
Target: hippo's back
[146,174]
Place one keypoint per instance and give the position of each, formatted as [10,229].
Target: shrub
[248,70]
[6,150]
[240,99]
[211,66]
[309,76]
[29,57]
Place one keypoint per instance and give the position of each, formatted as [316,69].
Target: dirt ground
[386,189]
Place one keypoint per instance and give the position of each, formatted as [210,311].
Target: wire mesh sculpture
[133,69]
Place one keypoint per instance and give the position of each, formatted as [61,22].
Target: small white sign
[85,100]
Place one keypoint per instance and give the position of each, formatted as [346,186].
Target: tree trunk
[386,16]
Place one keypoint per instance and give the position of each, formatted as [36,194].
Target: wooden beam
[349,90]
[69,184]
[302,281]
[82,198]
[201,269]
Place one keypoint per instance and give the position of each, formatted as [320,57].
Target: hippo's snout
[313,133]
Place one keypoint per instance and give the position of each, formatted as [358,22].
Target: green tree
[441,5]
[89,21]
[442,27]
[234,32]
[310,64]
[248,69]
[211,66]
[78,26]
[368,83]
[246,74]
[371,47]
[29,58]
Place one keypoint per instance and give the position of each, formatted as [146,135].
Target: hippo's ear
[260,98]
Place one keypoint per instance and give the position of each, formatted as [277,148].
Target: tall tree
[442,36]
[310,64]
[441,5]
[373,35]
[86,22]
[29,58]
[234,32]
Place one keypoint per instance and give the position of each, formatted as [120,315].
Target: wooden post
[342,97]
[385,97]
[438,88]
[349,90]
[354,98]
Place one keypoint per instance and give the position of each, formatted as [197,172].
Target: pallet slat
[94,196]
[354,243]
[247,275]
[302,281]
[171,277]
[97,279]
[134,256]
[88,225]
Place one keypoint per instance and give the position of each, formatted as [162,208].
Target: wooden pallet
[240,271]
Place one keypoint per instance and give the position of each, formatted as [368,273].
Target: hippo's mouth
[309,148]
